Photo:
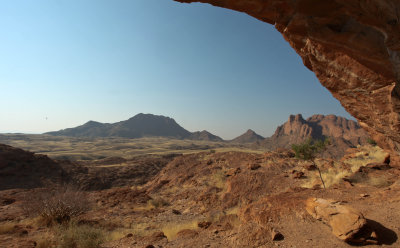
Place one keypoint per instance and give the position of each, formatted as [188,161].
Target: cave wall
[352,46]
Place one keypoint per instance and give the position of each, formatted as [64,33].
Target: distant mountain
[248,137]
[89,129]
[343,133]
[144,125]
[141,125]
[204,135]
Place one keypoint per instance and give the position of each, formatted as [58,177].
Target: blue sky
[65,62]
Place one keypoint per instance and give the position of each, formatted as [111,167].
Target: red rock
[204,224]
[345,221]
[254,166]
[298,174]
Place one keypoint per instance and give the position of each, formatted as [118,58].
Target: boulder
[345,221]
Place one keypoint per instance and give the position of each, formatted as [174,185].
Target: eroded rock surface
[353,47]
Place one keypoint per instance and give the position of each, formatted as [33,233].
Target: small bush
[158,202]
[371,142]
[45,241]
[80,236]
[58,205]
[309,150]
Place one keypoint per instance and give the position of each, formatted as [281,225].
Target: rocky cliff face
[353,47]
[342,133]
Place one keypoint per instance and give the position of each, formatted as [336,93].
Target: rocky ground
[230,199]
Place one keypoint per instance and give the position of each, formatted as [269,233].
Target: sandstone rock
[298,174]
[204,224]
[232,172]
[310,167]
[378,166]
[254,166]
[187,233]
[353,47]
[345,221]
[157,236]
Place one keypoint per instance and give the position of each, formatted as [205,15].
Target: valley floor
[216,199]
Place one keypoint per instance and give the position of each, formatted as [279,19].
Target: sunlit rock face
[352,46]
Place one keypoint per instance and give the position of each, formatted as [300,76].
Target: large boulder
[346,222]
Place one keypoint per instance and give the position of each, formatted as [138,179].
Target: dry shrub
[57,205]
[80,236]
[45,241]
[158,202]
[378,182]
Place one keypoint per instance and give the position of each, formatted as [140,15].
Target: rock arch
[353,47]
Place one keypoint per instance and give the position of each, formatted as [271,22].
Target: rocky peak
[248,137]
[296,118]
[343,133]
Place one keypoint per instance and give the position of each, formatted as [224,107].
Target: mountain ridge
[138,126]
[343,133]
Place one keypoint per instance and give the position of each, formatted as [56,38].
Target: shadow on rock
[374,233]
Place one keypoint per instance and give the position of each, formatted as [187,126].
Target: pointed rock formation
[248,137]
[342,133]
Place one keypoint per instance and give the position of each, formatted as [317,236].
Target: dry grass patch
[79,236]
[172,229]
[45,241]
[218,179]
[158,202]
[333,175]
[367,154]
[6,227]
[330,176]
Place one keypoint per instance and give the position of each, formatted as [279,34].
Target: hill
[248,137]
[141,125]
[205,135]
[23,169]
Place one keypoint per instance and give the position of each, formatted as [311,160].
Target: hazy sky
[65,62]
